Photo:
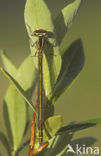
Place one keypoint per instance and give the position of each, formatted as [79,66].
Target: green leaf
[18,88]
[64,19]
[57,144]
[75,127]
[80,126]
[37,15]
[53,124]
[5,142]
[51,70]
[72,64]
[26,77]
[54,8]
[26,74]
[16,110]
[35,9]
[10,67]
[96,121]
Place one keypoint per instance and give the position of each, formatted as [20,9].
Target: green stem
[13,153]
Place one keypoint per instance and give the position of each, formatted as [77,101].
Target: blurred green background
[83,100]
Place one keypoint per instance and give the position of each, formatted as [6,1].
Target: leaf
[54,8]
[26,74]
[16,110]
[81,125]
[51,70]
[64,19]
[5,142]
[10,67]
[18,88]
[26,77]
[72,64]
[57,144]
[53,124]
[35,9]
[96,121]
[75,127]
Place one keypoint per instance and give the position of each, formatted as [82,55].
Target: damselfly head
[41,33]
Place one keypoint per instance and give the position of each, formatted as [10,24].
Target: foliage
[60,70]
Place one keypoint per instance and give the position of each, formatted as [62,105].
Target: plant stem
[13,153]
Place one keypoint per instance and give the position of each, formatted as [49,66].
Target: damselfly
[40,44]
[42,35]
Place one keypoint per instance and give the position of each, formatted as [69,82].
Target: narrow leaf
[96,121]
[26,74]
[34,9]
[18,88]
[65,18]
[72,64]
[8,64]
[75,127]
[80,126]
[54,8]
[16,110]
